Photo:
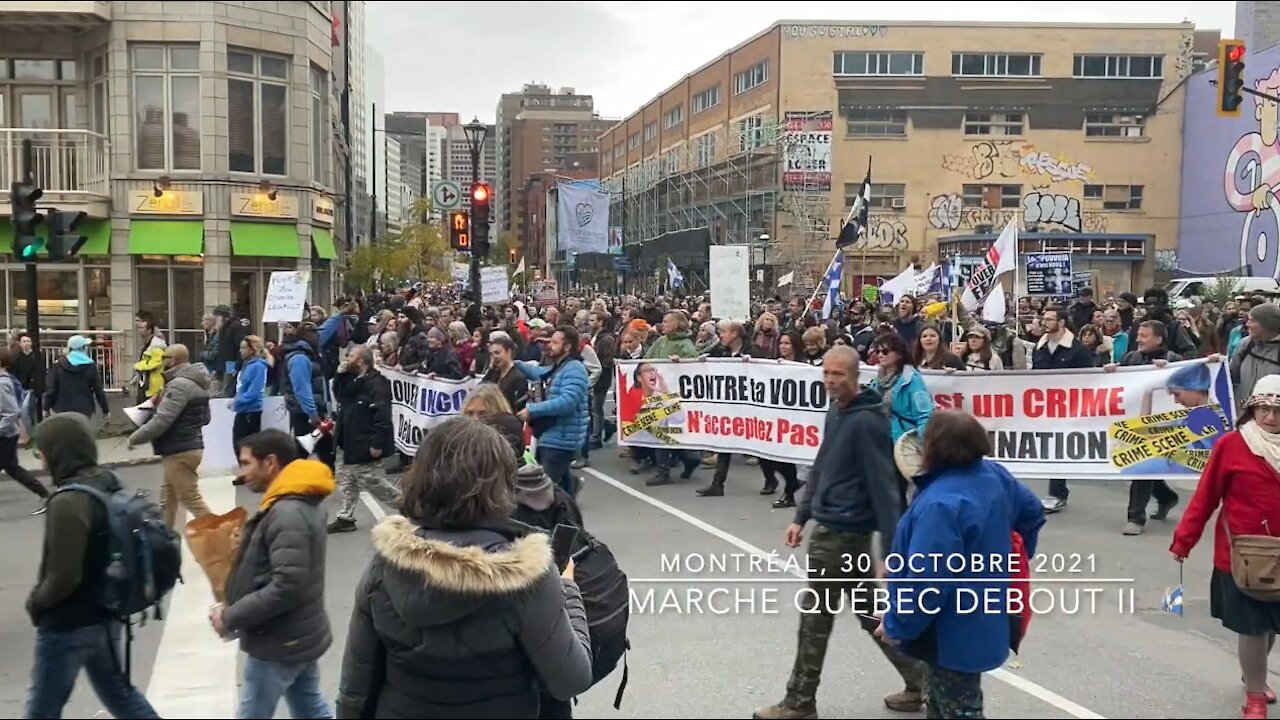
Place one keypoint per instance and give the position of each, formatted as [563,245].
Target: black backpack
[606,598]
[145,555]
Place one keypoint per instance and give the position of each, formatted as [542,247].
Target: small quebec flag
[1172,602]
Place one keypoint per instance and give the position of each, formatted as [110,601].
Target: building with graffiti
[1231,178]
[965,126]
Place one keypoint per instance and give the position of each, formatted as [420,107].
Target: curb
[134,462]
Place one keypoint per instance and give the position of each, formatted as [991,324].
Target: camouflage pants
[353,479]
[954,694]
[835,555]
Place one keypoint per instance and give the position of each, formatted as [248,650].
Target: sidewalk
[112,452]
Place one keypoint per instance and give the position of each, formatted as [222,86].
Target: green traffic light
[31,250]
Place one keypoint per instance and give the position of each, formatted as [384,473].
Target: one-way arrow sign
[446,195]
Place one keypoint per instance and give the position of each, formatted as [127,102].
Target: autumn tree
[419,251]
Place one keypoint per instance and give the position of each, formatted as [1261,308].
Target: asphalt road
[1104,662]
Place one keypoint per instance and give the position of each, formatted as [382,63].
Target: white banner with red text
[1087,424]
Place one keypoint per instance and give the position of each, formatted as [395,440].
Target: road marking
[1040,693]
[372,503]
[195,672]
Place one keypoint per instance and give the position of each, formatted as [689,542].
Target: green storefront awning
[323,240]
[254,239]
[166,237]
[98,232]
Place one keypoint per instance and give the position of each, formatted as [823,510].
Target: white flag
[1000,259]
[993,309]
[787,279]
[900,286]
[520,267]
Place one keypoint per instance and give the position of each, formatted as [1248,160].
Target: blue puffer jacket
[909,401]
[957,514]
[566,401]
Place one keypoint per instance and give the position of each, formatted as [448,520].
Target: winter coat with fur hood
[462,624]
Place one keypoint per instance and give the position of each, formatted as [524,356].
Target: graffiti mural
[1232,219]
[884,233]
[1043,207]
[1006,159]
[1167,260]
[1061,213]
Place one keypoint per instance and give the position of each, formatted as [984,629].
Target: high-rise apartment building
[536,128]
[361,142]
[436,136]
[457,160]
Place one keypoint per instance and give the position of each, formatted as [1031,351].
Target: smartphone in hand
[562,540]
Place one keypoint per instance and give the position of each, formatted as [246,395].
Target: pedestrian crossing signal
[459,230]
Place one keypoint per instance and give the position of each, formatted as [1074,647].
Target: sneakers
[1052,505]
[786,501]
[341,525]
[1162,509]
[1255,706]
[580,463]
[783,711]
[44,507]
[906,701]
[1132,528]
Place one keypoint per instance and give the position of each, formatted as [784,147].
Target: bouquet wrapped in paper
[214,541]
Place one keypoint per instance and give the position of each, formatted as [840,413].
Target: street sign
[446,195]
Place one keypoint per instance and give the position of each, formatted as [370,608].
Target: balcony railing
[65,161]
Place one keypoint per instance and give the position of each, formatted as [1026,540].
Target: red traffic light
[480,193]
[1236,53]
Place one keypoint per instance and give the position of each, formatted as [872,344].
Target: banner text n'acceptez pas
[1068,424]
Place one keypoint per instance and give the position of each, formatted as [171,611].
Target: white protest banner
[418,403]
[493,285]
[461,273]
[286,297]
[764,408]
[582,218]
[1076,424]
[730,282]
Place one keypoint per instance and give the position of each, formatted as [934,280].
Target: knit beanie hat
[1267,315]
[533,487]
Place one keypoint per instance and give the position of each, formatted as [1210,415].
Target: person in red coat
[1243,478]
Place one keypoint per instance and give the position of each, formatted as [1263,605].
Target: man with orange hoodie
[275,594]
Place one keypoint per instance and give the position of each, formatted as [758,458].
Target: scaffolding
[725,180]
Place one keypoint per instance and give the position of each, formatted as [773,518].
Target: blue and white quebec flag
[835,271]
[674,278]
[582,218]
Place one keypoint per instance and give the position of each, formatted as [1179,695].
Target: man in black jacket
[852,492]
[733,344]
[1058,349]
[365,434]
[275,594]
[73,630]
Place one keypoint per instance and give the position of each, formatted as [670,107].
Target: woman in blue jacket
[906,399]
[251,388]
[946,610]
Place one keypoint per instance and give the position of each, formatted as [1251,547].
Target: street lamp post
[476,132]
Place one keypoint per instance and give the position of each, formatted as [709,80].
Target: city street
[1104,663]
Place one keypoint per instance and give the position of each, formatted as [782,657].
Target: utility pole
[373,174]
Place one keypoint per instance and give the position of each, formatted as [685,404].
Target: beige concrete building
[1074,131]
[200,139]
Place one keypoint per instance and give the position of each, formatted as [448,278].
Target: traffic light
[511,254]
[480,197]
[1230,77]
[26,220]
[459,230]
[63,242]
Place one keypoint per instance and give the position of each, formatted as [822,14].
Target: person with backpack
[457,616]
[12,396]
[275,593]
[75,628]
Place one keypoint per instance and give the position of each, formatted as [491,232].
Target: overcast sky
[452,56]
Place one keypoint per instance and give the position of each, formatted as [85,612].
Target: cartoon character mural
[1230,196]
[1252,180]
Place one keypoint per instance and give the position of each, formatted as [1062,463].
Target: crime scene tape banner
[418,403]
[1086,424]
